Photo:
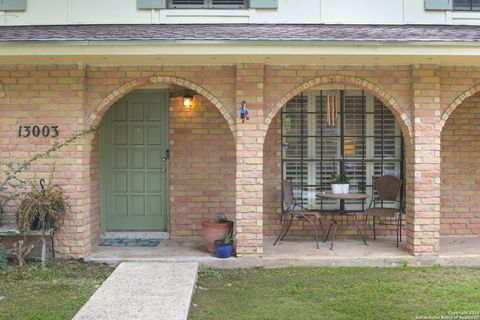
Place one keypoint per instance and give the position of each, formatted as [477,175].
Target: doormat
[124,242]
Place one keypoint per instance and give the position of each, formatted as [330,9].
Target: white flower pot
[340,188]
[336,188]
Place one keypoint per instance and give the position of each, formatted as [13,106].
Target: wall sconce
[187,101]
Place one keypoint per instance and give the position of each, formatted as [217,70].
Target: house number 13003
[38,131]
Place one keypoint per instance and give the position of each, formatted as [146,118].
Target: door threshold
[135,235]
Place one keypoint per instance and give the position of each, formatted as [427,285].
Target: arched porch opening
[375,140]
[198,160]
[460,176]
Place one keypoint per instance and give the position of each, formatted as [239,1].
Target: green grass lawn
[335,293]
[57,292]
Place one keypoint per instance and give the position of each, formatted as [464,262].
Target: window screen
[466,5]
[228,4]
[365,141]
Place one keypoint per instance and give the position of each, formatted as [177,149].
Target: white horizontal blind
[294,144]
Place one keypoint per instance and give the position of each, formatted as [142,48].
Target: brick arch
[102,107]
[387,99]
[456,102]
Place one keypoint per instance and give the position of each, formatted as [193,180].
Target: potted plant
[224,247]
[215,229]
[340,183]
[42,208]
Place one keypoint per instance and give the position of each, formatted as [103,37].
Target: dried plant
[48,206]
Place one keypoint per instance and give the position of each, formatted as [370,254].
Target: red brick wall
[423,163]
[48,95]
[69,94]
[460,173]
[216,80]
[272,188]
[202,167]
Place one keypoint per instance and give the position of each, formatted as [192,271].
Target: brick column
[250,137]
[423,166]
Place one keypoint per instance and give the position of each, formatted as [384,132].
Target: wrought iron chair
[295,211]
[387,189]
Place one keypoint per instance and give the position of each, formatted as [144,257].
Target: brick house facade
[218,163]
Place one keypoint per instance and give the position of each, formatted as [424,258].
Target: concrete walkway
[143,290]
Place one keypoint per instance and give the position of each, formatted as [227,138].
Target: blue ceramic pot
[223,250]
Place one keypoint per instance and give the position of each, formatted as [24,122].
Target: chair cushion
[386,212]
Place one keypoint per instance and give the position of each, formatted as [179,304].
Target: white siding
[365,11]
[289,11]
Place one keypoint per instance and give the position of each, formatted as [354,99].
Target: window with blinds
[365,141]
[466,5]
[213,4]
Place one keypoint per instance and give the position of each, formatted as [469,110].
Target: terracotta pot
[214,231]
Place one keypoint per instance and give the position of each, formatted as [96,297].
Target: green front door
[134,163]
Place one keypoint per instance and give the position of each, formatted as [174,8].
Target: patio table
[342,212]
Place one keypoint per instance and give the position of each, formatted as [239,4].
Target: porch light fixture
[187,101]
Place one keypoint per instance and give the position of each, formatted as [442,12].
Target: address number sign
[38,131]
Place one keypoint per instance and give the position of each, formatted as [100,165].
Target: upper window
[208,4]
[466,5]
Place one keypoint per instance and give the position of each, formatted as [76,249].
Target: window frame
[368,161]
[207,4]
[466,10]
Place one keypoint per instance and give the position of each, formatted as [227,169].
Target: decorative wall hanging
[332,106]
[244,112]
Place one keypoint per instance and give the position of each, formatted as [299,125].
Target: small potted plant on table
[215,230]
[224,247]
[340,183]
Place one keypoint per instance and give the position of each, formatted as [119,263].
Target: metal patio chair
[387,189]
[295,211]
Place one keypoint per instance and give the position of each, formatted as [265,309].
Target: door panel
[134,167]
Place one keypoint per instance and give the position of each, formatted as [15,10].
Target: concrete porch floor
[455,251]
